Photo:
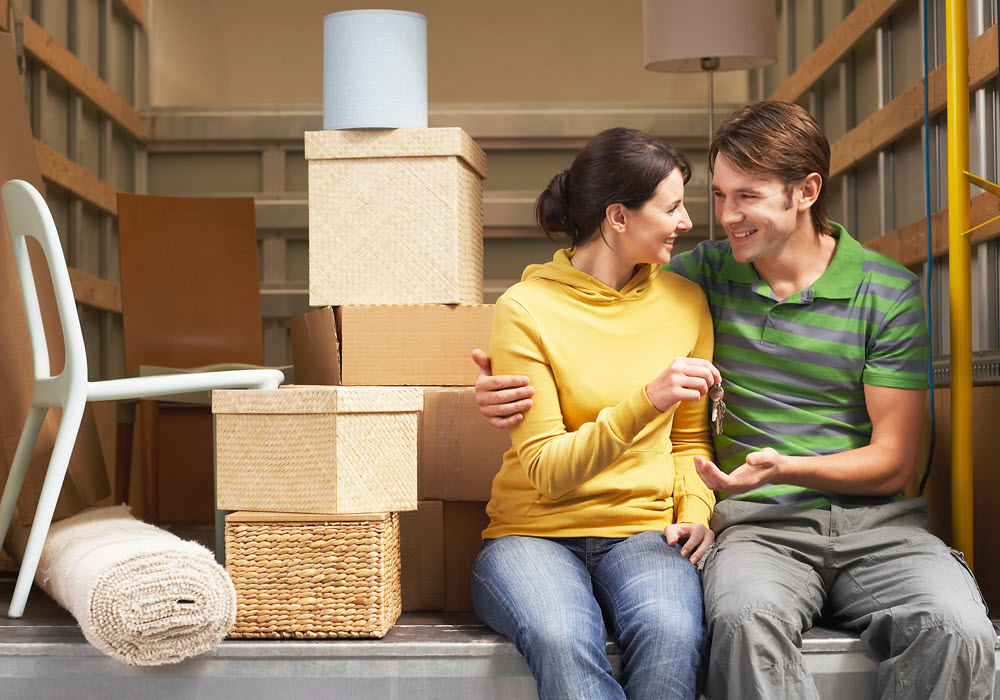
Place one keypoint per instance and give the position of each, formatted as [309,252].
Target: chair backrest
[190,284]
[29,216]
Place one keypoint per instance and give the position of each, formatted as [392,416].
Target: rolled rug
[141,595]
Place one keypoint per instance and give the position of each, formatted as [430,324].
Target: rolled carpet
[141,594]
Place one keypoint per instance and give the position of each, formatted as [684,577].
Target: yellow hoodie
[593,457]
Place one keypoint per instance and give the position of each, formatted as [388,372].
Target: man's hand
[759,468]
[698,538]
[502,399]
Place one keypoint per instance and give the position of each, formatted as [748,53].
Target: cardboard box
[421,543]
[86,481]
[464,523]
[395,217]
[315,350]
[459,452]
[418,345]
[323,450]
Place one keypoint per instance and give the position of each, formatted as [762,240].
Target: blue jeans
[553,596]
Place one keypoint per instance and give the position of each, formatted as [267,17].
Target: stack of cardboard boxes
[395,250]
[396,259]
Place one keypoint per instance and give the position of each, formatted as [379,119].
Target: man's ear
[809,190]
[616,216]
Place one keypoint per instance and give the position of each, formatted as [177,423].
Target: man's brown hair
[779,139]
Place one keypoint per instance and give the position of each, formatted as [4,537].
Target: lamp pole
[710,64]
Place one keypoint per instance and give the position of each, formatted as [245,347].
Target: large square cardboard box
[313,576]
[421,544]
[459,452]
[464,523]
[323,450]
[395,217]
[417,345]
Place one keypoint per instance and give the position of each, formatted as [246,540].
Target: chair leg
[69,426]
[19,467]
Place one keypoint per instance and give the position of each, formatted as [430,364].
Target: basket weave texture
[317,449]
[310,578]
[395,217]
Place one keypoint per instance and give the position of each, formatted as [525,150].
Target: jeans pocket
[973,584]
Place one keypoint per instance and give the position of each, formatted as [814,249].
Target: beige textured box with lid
[312,576]
[395,217]
[317,449]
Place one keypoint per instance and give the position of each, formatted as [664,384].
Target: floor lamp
[681,36]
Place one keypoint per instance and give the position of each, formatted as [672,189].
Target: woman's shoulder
[529,291]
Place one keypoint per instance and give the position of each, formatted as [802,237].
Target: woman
[597,513]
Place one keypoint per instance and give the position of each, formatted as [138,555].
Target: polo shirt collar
[839,281]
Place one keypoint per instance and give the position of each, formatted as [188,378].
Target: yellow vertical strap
[959,204]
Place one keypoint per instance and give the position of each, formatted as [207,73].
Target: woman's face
[652,228]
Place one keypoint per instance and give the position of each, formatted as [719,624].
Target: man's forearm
[873,470]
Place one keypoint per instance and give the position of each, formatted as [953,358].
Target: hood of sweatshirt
[582,285]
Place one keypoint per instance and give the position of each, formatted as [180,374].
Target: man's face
[758,212]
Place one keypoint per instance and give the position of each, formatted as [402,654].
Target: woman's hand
[698,539]
[686,379]
[502,399]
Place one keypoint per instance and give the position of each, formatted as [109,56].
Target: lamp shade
[677,34]
[374,70]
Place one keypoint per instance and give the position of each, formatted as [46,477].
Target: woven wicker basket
[395,217]
[320,449]
[310,577]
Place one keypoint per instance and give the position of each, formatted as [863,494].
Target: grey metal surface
[440,656]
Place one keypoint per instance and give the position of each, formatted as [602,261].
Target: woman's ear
[616,215]
[809,190]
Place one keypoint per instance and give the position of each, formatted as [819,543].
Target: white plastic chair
[28,215]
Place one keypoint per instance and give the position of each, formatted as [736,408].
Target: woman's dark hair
[619,165]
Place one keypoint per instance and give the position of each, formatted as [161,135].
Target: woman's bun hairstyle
[623,166]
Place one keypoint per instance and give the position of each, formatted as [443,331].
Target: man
[822,348]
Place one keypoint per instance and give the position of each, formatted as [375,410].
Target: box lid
[395,143]
[319,399]
[246,516]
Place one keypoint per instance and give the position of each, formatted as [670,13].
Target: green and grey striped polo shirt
[794,370]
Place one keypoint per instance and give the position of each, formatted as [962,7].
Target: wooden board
[75,178]
[908,245]
[95,291]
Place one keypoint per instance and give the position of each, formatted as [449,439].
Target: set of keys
[715,394]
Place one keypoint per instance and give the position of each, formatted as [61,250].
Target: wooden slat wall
[88,289]
[4,15]
[864,18]
[44,48]
[906,112]
[902,115]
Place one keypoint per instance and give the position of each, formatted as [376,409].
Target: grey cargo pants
[775,570]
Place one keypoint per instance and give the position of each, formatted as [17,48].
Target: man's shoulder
[705,258]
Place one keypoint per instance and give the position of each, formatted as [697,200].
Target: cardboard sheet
[87,479]
[315,350]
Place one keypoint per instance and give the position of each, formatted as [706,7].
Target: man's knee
[958,627]
[737,617]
